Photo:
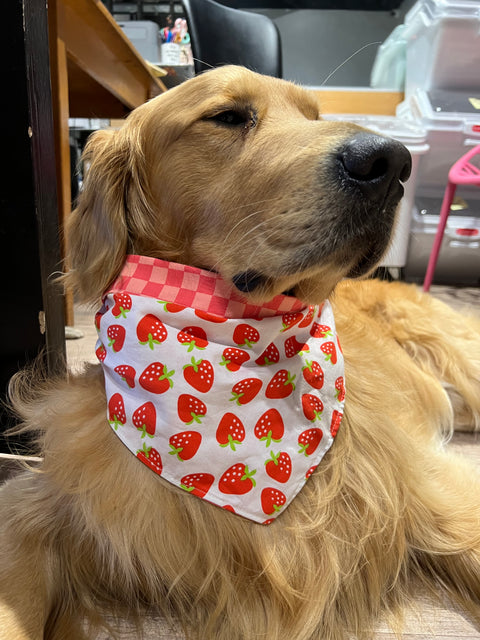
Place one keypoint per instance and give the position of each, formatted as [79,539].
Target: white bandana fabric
[232,402]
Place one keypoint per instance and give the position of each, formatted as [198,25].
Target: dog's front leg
[26,573]
[23,599]
[444,531]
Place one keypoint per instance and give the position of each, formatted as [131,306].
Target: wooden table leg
[59,82]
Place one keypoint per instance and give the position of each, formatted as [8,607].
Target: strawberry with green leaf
[279,466]
[230,431]
[271,355]
[123,304]
[269,427]
[145,419]
[185,445]
[127,373]
[156,378]
[116,411]
[237,479]
[309,440]
[199,374]
[312,407]
[190,409]
[150,457]
[272,500]
[245,390]
[151,331]
[198,484]
[233,358]
[281,385]
[116,334]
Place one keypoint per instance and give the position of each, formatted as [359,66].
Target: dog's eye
[234,118]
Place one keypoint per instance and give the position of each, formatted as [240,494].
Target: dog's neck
[233,402]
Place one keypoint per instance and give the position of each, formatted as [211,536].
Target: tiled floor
[430,622]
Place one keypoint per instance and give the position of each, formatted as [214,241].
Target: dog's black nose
[374,164]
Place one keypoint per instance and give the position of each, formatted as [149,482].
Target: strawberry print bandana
[232,402]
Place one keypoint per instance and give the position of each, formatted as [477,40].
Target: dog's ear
[113,194]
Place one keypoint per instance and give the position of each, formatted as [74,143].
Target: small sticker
[475,102]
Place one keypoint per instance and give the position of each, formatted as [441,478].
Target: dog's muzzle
[374,166]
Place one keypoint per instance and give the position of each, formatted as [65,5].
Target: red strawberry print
[190,409]
[151,331]
[269,427]
[272,500]
[335,424]
[199,374]
[293,347]
[310,471]
[237,480]
[197,484]
[309,440]
[313,374]
[150,457]
[340,389]
[320,330]
[230,431]
[98,317]
[185,445]
[228,507]
[312,407]
[171,307]
[245,335]
[210,317]
[123,304]
[245,390]
[271,355]
[328,348]
[233,358]
[101,353]
[307,319]
[281,385]
[126,373]
[116,411]
[145,419]
[156,378]
[279,467]
[193,338]
[116,333]
[290,319]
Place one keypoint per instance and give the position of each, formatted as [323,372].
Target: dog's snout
[372,163]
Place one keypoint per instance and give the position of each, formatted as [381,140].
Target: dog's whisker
[355,53]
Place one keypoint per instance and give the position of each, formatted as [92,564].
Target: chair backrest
[222,35]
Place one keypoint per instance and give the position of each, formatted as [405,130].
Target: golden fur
[389,510]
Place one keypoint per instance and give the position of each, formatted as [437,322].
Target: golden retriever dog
[237,175]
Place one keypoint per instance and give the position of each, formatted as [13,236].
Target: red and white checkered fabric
[192,287]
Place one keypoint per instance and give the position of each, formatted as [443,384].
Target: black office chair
[222,35]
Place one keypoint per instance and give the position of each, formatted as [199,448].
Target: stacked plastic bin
[439,50]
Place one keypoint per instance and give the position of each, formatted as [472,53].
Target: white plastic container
[437,47]
[144,35]
[413,137]
[388,70]
[459,257]
[451,120]
[443,45]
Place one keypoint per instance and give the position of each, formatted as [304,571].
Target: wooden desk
[358,101]
[95,73]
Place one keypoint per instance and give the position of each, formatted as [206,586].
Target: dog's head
[237,173]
